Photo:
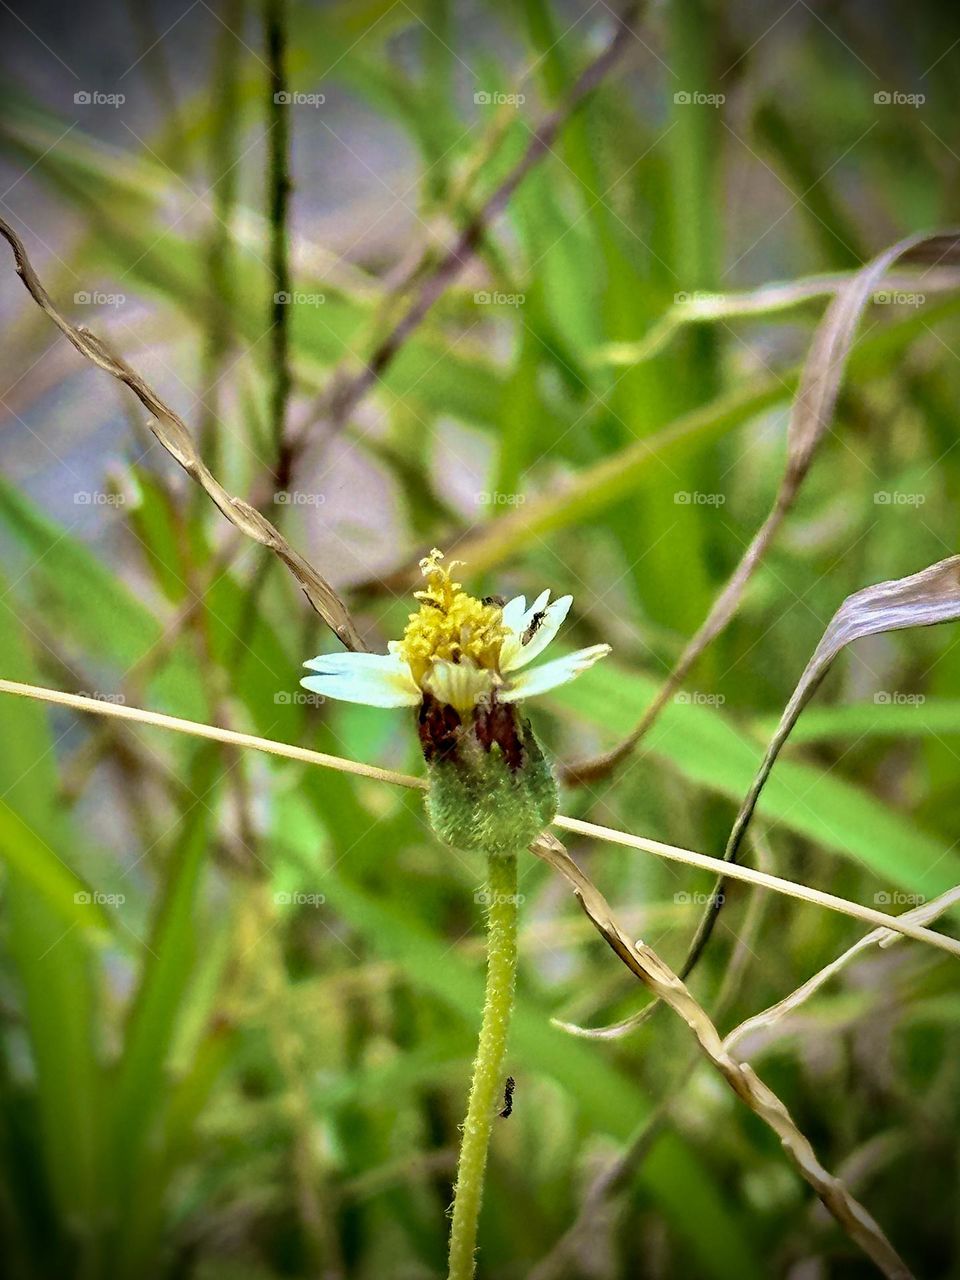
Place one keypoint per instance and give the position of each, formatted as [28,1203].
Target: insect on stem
[508,1098]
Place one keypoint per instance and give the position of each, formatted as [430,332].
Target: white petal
[512,615]
[515,623]
[550,624]
[552,674]
[377,679]
[461,684]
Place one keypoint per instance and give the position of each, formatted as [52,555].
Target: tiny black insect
[536,622]
[500,601]
[508,1097]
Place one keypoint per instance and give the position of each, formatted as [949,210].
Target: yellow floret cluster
[450,624]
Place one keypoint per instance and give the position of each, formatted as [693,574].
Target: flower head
[458,650]
[460,661]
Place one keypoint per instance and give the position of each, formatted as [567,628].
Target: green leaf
[54,964]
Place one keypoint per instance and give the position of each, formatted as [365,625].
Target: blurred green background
[240,997]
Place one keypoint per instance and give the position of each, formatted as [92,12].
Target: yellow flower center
[450,624]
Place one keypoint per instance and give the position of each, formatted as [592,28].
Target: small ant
[508,1097]
[499,601]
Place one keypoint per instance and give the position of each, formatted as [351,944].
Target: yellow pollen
[450,624]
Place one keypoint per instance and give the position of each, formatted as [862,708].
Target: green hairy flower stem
[488,1078]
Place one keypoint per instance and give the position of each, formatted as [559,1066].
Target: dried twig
[810,420]
[762,1101]
[172,433]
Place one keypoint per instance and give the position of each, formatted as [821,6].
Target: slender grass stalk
[487,1083]
[278,109]
[749,875]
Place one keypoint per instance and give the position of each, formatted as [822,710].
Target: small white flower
[459,650]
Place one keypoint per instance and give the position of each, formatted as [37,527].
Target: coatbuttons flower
[463,663]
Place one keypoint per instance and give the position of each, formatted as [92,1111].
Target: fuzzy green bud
[491,788]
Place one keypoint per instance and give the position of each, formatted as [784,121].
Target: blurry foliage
[246,1055]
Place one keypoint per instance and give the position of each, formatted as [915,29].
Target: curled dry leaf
[665,985]
[810,420]
[173,434]
[766,299]
[920,600]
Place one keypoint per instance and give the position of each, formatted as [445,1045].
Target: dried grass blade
[920,600]
[923,914]
[173,434]
[286,750]
[810,420]
[663,983]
